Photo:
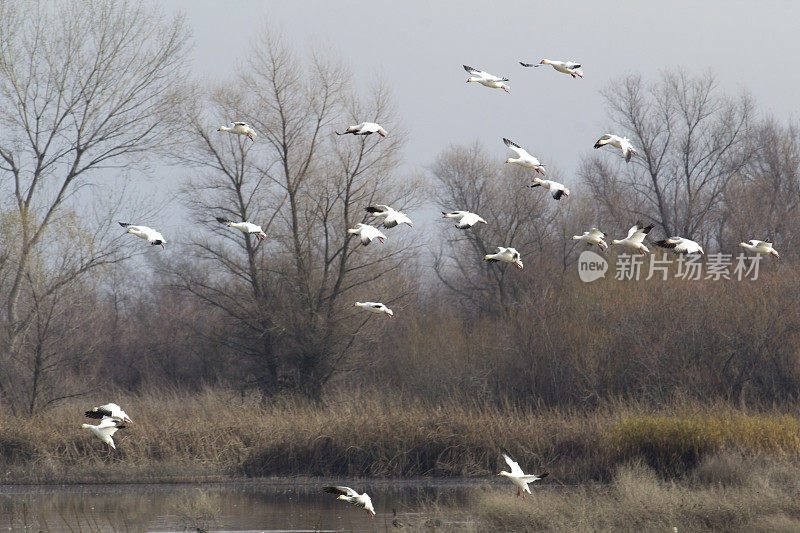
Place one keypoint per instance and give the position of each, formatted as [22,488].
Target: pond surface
[257,506]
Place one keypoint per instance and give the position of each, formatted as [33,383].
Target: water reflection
[279,506]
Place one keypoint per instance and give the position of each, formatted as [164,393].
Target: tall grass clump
[674,443]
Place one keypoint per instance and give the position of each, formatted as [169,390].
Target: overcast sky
[419,48]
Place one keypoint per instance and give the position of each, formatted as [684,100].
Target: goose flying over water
[486,79]
[143,232]
[567,67]
[367,233]
[245,227]
[391,218]
[623,143]
[365,128]
[519,478]
[523,158]
[556,189]
[352,497]
[375,307]
[680,245]
[593,236]
[110,410]
[635,238]
[505,255]
[104,430]
[465,218]
[240,128]
[759,247]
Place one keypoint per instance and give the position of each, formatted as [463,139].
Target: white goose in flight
[635,238]
[760,247]
[556,189]
[240,128]
[465,218]
[593,236]
[680,245]
[567,67]
[505,255]
[110,410]
[367,233]
[391,218]
[375,307]
[245,227]
[623,143]
[519,478]
[365,128]
[523,158]
[104,430]
[486,79]
[350,496]
[143,232]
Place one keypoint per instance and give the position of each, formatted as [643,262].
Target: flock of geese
[113,418]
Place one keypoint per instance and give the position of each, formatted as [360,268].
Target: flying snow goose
[375,307]
[367,233]
[635,237]
[350,496]
[593,236]
[567,67]
[486,79]
[679,245]
[143,232]
[506,255]
[523,157]
[240,128]
[104,430]
[110,410]
[623,143]
[245,227]
[519,478]
[760,247]
[365,128]
[556,189]
[391,218]
[465,218]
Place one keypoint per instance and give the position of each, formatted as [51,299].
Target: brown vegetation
[216,435]
[724,493]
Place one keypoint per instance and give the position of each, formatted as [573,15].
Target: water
[270,506]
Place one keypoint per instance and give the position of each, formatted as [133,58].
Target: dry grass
[715,497]
[214,435]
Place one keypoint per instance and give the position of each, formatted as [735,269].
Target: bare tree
[691,142]
[80,90]
[763,201]
[465,178]
[289,299]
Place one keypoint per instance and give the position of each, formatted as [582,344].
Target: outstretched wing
[474,71]
[515,469]
[534,477]
[558,194]
[572,65]
[596,233]
[639,233]
[379,208]
[521,152]
[341,490]
[527,64]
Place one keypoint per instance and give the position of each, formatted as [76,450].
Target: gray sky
[419,48]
